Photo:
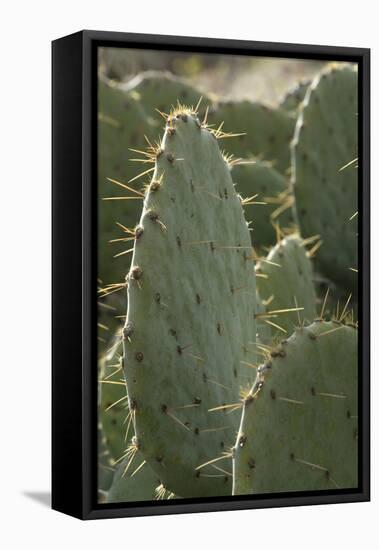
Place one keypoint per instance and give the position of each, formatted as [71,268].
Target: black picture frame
[74,133]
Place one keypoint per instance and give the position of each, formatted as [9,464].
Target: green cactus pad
[268,131]
[294,97]
[190,321]
[326,193]
[271,187]
[110,309]
[130,485]
[113,404]
[105,470]
[288,282]
[263,329]
[122,125]
[162,91]
[299,424]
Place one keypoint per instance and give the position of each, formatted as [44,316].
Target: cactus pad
[113,409]
[105,470]
[263,328]
[299,424]
[189,325]
[272,188]
[326,193]
[162,91]
[294,97]
[267,131]
[288,282]
[122,125]
[109,323]
[132,485]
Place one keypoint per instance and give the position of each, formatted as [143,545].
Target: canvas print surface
[227,275]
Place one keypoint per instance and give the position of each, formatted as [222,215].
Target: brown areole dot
[135,273]
[136,442]
[154,185]
[128,330]
[249,399]
[242,440]
[138,232]
[152,215]
[139,356]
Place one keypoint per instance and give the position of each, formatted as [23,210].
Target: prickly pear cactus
[162,91]
[294,97]
[113,405]
[122,125]
[266,132]
[105,470]
[109,321]
[190,330]
[266,185]
[134,481]
[299,423]
[263,328]
[287,284]
[325,184]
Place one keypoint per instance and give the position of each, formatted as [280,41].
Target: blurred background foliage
[234,77]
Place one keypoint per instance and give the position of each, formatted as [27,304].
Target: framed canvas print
[210,274]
